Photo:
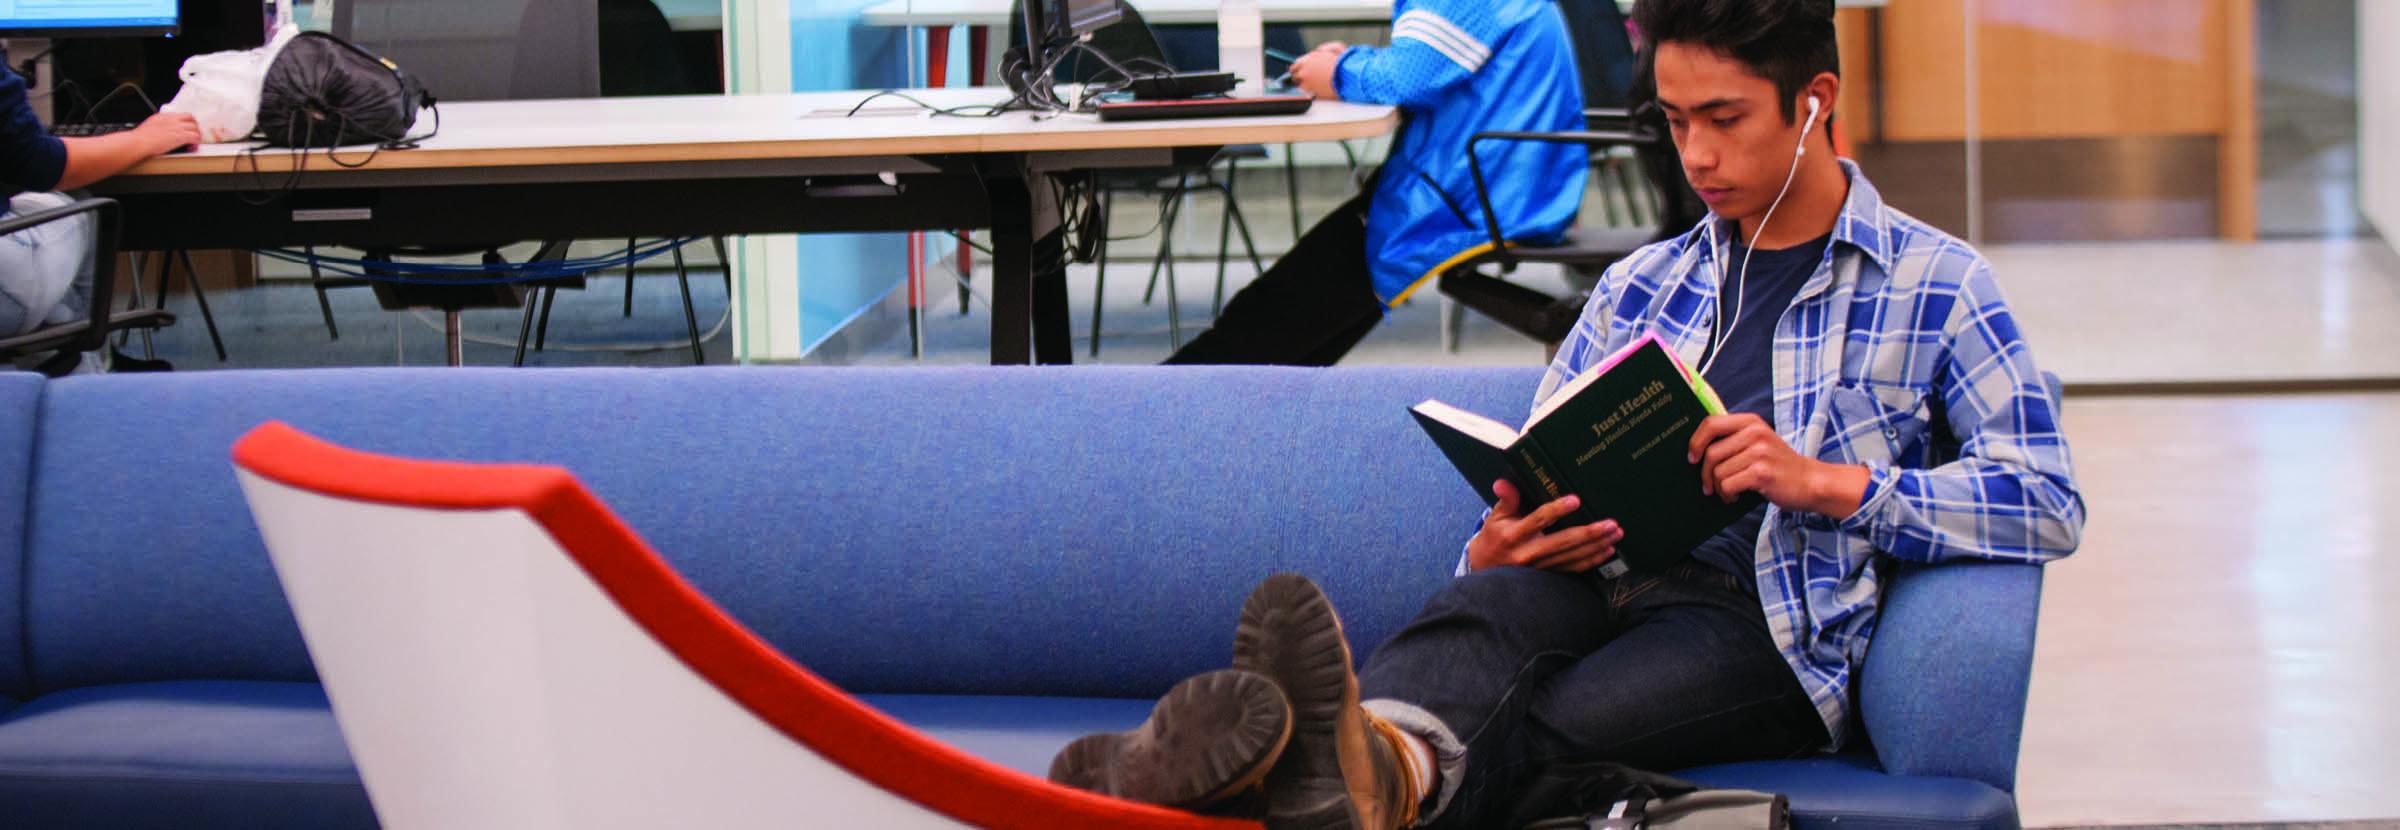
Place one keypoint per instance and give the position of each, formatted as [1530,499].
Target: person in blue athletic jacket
[1454,68]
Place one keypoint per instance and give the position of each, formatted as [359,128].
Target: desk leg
[1029,302]
[937,75]
[1012,272]
[1053,343]
[979,46]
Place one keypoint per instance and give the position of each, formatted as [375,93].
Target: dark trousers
[1308,309]
[1545,677]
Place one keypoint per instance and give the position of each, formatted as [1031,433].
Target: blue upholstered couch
[1007,558]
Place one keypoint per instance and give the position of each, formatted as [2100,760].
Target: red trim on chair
[786,696]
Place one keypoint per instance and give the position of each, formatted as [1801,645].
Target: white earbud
[1811,125]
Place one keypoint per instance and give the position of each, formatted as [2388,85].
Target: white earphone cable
[1717,341]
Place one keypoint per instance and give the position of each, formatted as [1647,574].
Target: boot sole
[1209,738]
[1290,633]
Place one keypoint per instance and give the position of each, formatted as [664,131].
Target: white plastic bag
[221,89]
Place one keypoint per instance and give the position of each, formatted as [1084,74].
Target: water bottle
[1242,44]
[278,14]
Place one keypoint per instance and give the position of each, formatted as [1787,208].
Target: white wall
[2379,115]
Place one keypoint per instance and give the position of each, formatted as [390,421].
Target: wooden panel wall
[2056,68]
[1855,113]
[2062,69]
[2237,154]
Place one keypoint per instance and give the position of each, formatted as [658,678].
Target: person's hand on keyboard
[169,132]
[98,157]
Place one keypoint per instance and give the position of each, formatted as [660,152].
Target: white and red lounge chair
[502,652]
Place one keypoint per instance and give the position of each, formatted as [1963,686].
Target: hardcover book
[1618,436]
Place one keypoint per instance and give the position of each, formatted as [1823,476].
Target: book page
[1567,393]
[1475,426]
[1564,394]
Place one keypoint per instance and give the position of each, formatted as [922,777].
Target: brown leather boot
[1210,740]
[1344,769]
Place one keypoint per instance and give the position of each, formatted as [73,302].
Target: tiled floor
[2113,313]
[2193,311]
[2224,647]
[2150,312]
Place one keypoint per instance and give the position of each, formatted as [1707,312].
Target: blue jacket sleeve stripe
[1437,31]
[1464,60]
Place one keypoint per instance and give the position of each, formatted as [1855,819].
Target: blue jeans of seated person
[1521,679]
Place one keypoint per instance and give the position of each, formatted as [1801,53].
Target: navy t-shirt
[30,157]
[1744,375]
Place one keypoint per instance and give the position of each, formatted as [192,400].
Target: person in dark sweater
[45,271]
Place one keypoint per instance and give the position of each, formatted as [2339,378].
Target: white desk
[996,12]
[682,15]
[618,168]
[562,134]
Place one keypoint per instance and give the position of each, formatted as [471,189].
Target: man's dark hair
[1786,42]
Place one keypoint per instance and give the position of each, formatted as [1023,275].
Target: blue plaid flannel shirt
[1900,330]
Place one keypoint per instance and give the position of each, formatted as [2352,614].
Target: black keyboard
[1176,85]
[1122,110]
[88,130]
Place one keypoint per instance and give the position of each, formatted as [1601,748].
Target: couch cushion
[184,755]
[1082,532]
[1943,690]
[248,754]
[20,398]
[1020,733]
[1851,794]
[1023,733]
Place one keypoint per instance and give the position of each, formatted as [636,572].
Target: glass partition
[2170,188]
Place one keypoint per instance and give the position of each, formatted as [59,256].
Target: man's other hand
[1739,453]
[1511,537]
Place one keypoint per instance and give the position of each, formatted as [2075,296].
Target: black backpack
[1607,796]
[322,91]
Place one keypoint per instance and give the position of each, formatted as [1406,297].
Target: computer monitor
[1084,16]
[88,18]
[1051,30]
[1050,22]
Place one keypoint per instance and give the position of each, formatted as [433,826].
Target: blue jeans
[1524,680]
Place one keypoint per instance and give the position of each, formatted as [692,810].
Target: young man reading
[1882,402]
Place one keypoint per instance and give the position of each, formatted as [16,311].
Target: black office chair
[638,56]
[71,339]
[1193,47]
[471,50]
[167,260]
[1666,207]
[1132,44]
